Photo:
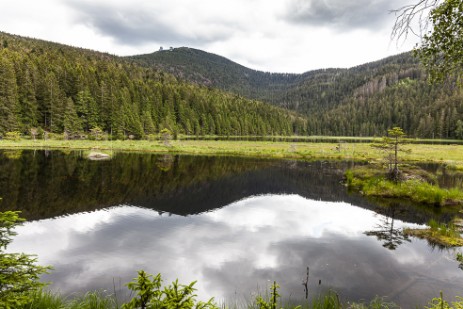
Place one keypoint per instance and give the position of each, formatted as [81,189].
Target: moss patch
[417,186]
[445,240]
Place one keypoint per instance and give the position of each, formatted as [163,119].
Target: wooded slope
[57,88]
[361,101]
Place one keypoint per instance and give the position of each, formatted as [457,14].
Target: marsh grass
[330,300]
[98,300]
[370,182]
[90,300]
[376,303]
[308,151]
[46,299]
[93,300]
[446,235]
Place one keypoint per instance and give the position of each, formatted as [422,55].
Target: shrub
[440,303]
[55,136]
[166,136]
[176,296]
[13,136]
[433,225]
[349,178]
[19,272]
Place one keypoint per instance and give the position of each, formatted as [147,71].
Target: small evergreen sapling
[391,145]
[19,274]
[176,296]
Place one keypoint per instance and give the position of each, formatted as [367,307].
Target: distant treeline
[361,101]
[51,87]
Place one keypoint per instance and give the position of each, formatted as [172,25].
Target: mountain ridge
[364,100]
[213,70]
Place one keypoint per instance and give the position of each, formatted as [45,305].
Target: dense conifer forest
[361,101]
[48,87]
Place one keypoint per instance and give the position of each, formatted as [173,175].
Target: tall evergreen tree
[9,101]
[72,123]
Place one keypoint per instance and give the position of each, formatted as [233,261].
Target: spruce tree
[19,273]
[9,103]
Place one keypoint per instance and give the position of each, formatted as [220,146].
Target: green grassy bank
[415,185]
[452,155]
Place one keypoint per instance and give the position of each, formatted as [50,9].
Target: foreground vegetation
[147,298]
[419,153]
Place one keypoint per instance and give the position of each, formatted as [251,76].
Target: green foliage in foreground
[19,274]
[91,300]
[440,303]
[175,296]
[96,300]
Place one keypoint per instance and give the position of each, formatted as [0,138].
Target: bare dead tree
[407,15]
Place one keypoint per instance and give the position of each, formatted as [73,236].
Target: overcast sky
[269,35]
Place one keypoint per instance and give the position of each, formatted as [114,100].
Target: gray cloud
[142,25]
[253,241]
[341,14]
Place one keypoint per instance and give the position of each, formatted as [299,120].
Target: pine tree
[53,103]
[27,100]
[19,272]
[71,122]
[9,103]
[87,110]
[459,129]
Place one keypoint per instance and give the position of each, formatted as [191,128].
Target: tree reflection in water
[386,233]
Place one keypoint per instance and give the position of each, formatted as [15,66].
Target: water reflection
[282,217]
[241,248]
[44,184]
[390,235]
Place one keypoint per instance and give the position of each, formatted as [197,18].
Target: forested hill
[362,101]
[292,91]
[51,87]
[216,71]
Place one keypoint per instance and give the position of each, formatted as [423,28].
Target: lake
[234,224]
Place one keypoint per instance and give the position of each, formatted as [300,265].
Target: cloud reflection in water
[238,249]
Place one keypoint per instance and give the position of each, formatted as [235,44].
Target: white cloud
[282,36]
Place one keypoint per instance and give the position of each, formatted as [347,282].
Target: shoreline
[452,155]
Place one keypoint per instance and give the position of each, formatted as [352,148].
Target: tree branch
[406,15]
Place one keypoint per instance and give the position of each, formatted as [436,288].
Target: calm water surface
[235,225]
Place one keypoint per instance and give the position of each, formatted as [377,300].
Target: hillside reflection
[49,184]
